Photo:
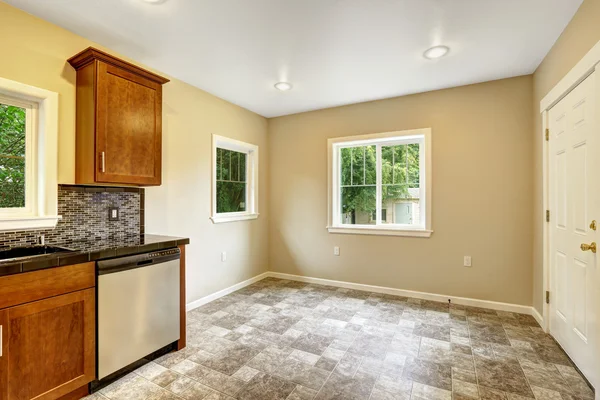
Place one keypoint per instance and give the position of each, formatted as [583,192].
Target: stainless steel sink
[30,251]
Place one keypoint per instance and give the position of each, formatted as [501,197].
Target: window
[381,184]
[235,180]
[28,157]
[16,132]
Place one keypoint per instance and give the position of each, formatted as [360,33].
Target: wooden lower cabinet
[3,354]
[48,347]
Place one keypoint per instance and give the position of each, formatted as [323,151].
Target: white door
[574,182]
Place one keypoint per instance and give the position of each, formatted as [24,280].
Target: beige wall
[37,56]
[181,206]
[482,194]
[582,33]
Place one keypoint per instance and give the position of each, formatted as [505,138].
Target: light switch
[113,214]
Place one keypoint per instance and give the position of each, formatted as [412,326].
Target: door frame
[589,64]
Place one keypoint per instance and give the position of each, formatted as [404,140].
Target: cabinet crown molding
[91,54]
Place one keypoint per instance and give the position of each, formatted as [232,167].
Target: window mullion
[364,165]
[406,164]
[351,166]
[378,181]
[221,161]
[393,164]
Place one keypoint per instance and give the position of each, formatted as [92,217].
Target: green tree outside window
[399,169]
[12,156]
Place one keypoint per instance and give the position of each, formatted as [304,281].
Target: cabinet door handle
[1,341]
[102,155]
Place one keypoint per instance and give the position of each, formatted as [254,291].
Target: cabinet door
[51,346]
[128,128]
[3,354]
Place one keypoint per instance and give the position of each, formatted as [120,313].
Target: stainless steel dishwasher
[138,307]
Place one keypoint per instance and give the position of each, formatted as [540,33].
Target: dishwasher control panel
[163,253]
[118,264]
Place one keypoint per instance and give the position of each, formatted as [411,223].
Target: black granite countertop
[92,250]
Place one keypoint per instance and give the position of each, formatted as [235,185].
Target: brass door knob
[593,225]
[589,247]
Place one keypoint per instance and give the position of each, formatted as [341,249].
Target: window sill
[420,233]
[220,219]
[27,223]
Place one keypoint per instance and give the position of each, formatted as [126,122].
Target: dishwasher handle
[113,265]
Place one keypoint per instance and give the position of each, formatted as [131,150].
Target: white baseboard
[516,308]
[493,305]
[207,299]
[538,317]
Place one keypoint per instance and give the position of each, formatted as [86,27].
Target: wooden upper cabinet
[119,121]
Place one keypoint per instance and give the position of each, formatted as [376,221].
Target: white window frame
[41,162]
[421,136]
[251,152]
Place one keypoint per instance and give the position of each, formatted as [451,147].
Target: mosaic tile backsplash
[84,213]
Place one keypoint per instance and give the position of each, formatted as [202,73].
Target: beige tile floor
[280,339]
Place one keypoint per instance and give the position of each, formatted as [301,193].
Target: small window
[28,157]
[235,177]
[381,184]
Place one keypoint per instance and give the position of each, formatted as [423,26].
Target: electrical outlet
[113,214]
[467,262]
[223,256]
[336,251]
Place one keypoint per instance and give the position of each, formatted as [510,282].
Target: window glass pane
[358,165]
[413,165]
[219,162]
[387,163]
[231,197]
[400,199]
[231,181]
[399,168]
[370,165]
[225,164]
[358,180]
[358,205]
[235,162]
[242,167]
[12,156]
[346,160]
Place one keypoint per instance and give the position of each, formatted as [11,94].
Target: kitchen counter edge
[81,255]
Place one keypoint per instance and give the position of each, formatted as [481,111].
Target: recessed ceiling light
[283,86]
[436,52]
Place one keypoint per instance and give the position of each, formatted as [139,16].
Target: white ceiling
[334,52]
